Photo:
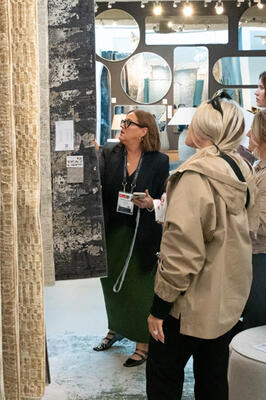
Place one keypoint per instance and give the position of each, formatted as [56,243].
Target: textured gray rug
[79,373]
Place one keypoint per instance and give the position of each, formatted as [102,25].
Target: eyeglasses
[215,100]
[128,122]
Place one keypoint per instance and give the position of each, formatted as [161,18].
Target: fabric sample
[20,236]
[46,191]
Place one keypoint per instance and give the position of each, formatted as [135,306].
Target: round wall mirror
[252,29]
[146,78]
[238,70]
[116,35]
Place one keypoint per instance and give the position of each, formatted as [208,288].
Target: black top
[152,176]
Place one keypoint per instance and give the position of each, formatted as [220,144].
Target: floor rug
[80,373]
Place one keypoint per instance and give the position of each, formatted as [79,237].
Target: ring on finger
[155,332]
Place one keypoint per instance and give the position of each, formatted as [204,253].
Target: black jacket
[152,176]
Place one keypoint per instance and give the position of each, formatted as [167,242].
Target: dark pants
[166,363]
[254,313]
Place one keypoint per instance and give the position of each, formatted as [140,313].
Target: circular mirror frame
[166,90]
[101,17]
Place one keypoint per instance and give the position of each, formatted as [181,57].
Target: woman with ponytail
[205,267]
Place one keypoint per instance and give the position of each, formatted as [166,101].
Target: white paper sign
[64,135]
[74,161]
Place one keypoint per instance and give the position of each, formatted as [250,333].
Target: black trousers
[254,313]
[166,363]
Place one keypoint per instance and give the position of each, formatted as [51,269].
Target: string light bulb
[157,9]
[219,8]
[142,5]
[109,5]
[260,5]
[174,4]
[188,10]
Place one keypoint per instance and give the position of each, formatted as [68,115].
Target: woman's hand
[96,145]
[144,202]
[156,328]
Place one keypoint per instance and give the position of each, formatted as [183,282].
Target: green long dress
[127,310]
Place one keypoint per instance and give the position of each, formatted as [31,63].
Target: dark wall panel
[79,247]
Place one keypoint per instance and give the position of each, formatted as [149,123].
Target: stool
[247,366]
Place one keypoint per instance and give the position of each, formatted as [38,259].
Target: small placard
[169,112]
[74,161]
[64,135]
[75,170]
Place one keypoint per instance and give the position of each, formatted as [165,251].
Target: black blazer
[152,176]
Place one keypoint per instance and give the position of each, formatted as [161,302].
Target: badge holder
[124,203]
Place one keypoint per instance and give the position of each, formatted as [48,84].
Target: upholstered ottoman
[247,365]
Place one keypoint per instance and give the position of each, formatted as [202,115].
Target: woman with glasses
[255,310]
[204,270]
[134,165]
[260,92]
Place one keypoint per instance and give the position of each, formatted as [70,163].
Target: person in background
[255,310]
[260,92]
[133,165]
[204,270]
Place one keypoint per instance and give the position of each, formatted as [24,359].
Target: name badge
[124,203]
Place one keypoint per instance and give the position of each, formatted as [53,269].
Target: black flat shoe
[108,341]
[130,362]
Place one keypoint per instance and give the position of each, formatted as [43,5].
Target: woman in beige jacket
[204,271]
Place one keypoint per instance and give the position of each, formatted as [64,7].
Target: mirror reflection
[103,102]
[146,78]
[238,70]
[159,112]
[252,29]
[116,35]
[189,30]
[191,68]
[245,97]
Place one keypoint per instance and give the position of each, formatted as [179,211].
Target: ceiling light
[205,4]
[157,9]
[238,3]
[260,5]
[187,10]
[219,7]
[109,5]
[142,5]
[249,3]
[174,4]
[96,7]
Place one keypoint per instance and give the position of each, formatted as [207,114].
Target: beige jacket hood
[205,260]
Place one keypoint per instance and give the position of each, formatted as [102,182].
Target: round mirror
[252,29]
[146,78]
[116,35]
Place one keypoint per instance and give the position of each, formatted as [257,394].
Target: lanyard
[133,184]
[120,280]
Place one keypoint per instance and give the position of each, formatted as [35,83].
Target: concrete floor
[75,322]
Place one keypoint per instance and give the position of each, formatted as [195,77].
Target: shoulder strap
[237,171]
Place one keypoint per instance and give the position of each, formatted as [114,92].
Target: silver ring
[155,332]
